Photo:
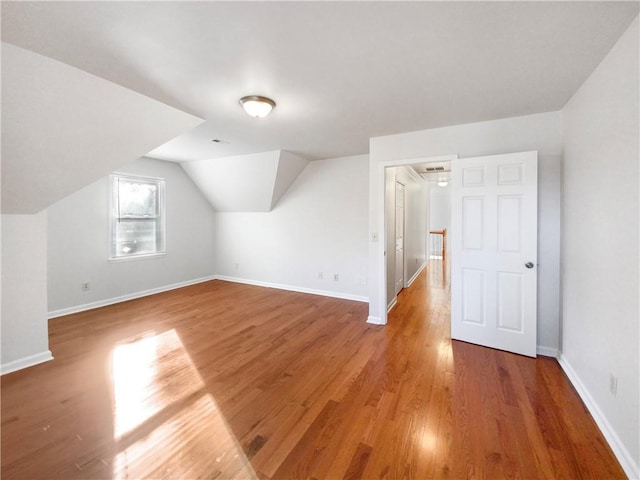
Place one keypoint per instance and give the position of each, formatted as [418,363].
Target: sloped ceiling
[246,183]
[63,128]
[289,167]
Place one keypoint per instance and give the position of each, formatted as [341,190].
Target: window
[137,216]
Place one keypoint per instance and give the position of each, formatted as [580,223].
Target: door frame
[381,260]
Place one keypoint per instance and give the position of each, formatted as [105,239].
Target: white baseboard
[292,288]
[25,362]
[124,298]
[415,275]
[547,351]
[392,304]
[152,291]
[375,320]
[619,450]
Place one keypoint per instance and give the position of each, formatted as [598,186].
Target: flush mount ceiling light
[257,106]
[443,183]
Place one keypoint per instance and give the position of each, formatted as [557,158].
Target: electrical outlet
[320,275]
[85,287]
[363,280]
[237,266]
[336,277]
[613,384]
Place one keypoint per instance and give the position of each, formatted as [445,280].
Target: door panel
[472,208]
[509,223]
[473,282]
[494,234]
[510,314]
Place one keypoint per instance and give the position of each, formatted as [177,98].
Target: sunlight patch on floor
[149,373]
[165,424]
[133,370]
[194,443]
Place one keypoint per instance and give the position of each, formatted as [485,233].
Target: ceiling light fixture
[443,183]
[257,106]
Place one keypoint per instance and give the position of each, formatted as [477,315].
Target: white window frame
[161,230]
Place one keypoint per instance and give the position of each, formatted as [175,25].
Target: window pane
[137,216]
[135,237]
[136,199]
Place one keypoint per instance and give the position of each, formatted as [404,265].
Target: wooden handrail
[442,232]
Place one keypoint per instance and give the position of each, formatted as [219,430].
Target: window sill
[132,258]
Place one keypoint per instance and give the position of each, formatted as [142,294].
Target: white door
[494,251]
[399,237]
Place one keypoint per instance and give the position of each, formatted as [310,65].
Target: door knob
[529,264]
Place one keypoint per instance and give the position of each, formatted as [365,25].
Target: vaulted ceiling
[63,129]
[340,72]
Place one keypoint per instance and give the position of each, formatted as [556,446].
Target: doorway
[383,293]
[493,250]
[407,223]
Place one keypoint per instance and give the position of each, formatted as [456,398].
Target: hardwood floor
[223,380]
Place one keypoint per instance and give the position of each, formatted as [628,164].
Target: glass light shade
[257,106]
[442,183]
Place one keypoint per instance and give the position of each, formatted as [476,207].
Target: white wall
[319,225]
[24,330]
[78,231]
[600,243]
[539,132]
[439,214]
[415,225]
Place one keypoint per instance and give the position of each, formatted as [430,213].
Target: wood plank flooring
[223,380]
